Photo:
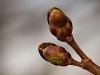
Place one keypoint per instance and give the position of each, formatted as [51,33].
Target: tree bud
[60,24]
[54,54]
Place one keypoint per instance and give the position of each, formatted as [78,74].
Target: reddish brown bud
[54,54]
[60,24]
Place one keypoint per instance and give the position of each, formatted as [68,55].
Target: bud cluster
[61,27]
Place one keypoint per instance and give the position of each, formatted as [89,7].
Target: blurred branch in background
[23,26]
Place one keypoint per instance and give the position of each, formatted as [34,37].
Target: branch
[86,63]
[61,27]
[73,44]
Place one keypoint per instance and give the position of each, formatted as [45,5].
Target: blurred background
[23,26]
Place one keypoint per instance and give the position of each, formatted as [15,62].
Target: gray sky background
[23,26]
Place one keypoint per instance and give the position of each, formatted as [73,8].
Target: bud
[60,24]
[54,54]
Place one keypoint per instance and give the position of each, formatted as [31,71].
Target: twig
[86,63]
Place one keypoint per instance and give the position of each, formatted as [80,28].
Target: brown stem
[70,40]
[75,63]
[86,62]
[91,66]
[87,65]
